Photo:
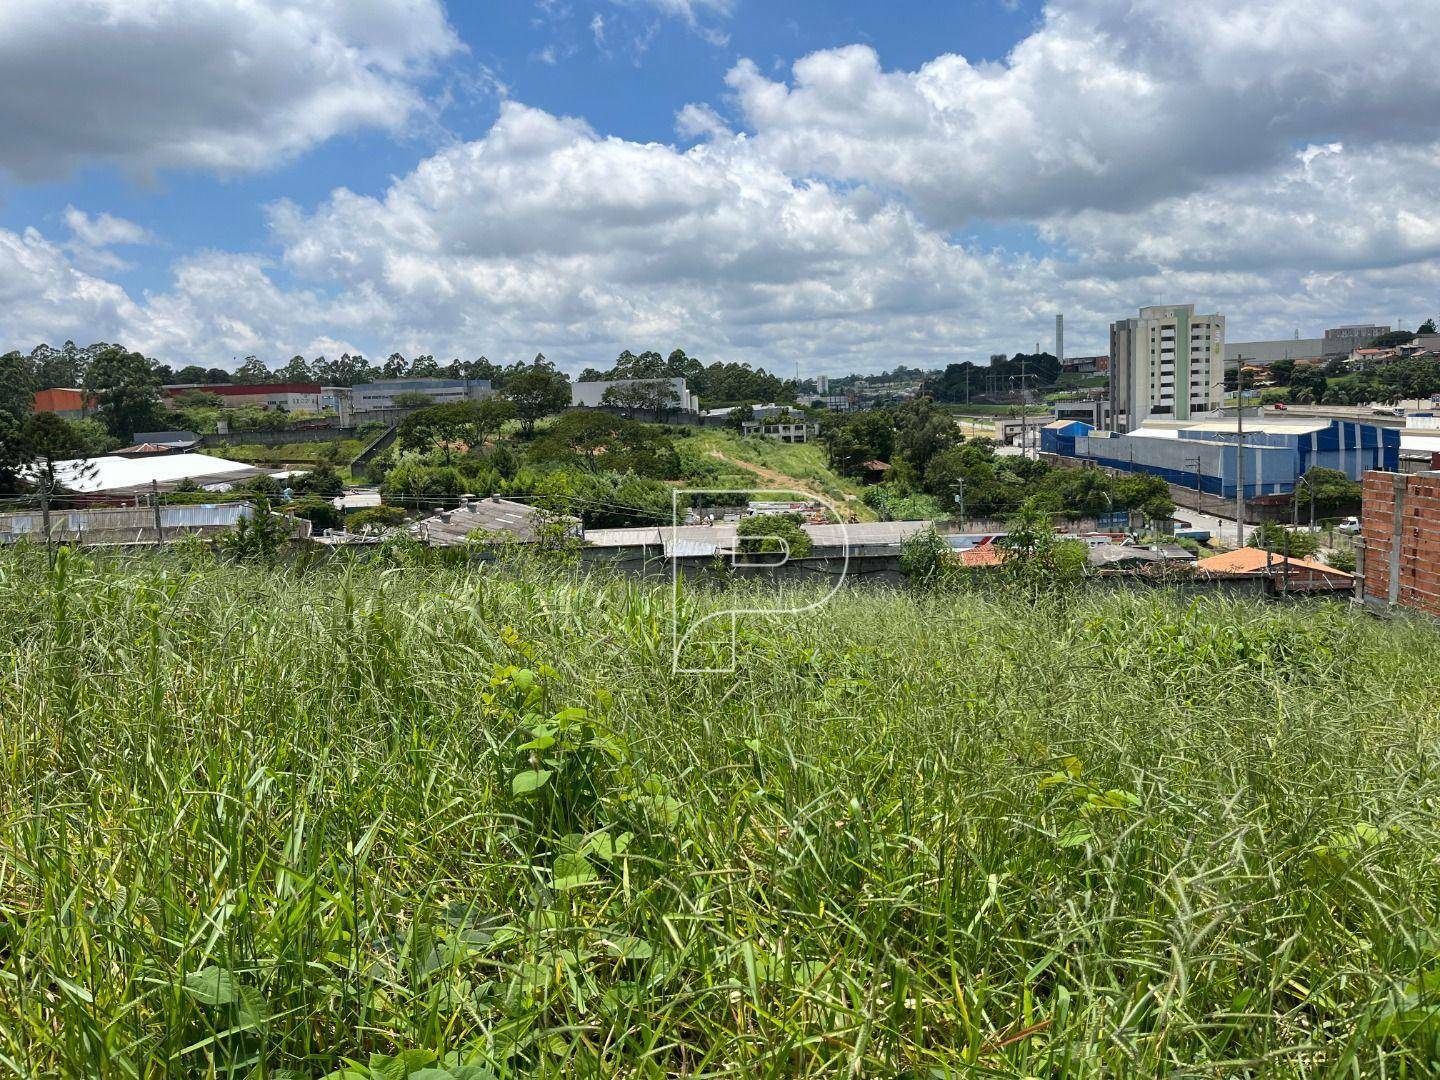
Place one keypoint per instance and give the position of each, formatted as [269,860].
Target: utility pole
[960,499]
[45,518]
[1240,458]
[1024,412]
[155,505]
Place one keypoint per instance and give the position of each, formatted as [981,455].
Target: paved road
[1222,528]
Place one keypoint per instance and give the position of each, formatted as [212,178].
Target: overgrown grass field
[802,463]
[465,822]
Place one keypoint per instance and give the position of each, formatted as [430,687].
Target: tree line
[933,468]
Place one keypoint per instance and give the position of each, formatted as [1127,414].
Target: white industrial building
[591,395]
[380,396]
[122,476]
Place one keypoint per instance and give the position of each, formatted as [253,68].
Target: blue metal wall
[1273,460]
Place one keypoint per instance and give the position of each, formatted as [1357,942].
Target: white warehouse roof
[120,474]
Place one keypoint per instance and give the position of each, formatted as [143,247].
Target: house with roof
[1280,573]
[494,518]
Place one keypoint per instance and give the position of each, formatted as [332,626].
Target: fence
[124,527]
[277,438]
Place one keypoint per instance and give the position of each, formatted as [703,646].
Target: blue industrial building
[1203,453]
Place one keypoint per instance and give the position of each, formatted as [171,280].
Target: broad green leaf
[1075,835]
[212,986]
[469,1072]
[401,1066]
[573,870]
[631,948]
[254,1009]
[533,780]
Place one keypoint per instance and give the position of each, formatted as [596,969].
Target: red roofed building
[65,402]
[983,555]
[1290,575]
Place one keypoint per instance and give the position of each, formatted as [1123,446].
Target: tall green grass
[260,822]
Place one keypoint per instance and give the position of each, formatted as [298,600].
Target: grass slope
[300,453]
[799,466]
[254,821]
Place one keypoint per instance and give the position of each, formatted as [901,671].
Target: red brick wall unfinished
[1415,582]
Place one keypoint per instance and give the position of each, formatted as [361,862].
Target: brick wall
[1401,536]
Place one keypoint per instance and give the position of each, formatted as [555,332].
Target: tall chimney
[1060,338]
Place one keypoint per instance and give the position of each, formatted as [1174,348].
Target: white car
[1350,526]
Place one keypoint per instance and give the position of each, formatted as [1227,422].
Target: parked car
[1280,406]
[1350,526]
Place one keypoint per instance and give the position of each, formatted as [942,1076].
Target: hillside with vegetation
[273,822]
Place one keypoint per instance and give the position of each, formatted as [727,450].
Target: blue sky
[631,85]
[847,185]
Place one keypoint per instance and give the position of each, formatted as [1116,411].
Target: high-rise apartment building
[1168,363]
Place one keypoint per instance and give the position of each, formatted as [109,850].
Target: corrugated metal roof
[455,527]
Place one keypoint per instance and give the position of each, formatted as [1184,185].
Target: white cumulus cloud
[1110,105]
[228,85]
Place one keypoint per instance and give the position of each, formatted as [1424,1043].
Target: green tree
[444,426]
[1427,327]
[253,372]
[258,536]
[1309,378]
[651,395]
[321,513]
[127,392]
[1297,544]
[1392,339]
[323,480]
[298,370]
[375,519]
[537,391]
[1040,559]
[853,439]
[1342,559]
[1332,489]
[923,431]
[1281,370]
[769,533]
[926,559]
[46,440]
[17,386]
[91,438]
[192,373]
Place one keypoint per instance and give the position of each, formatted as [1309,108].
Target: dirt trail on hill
[777,478]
